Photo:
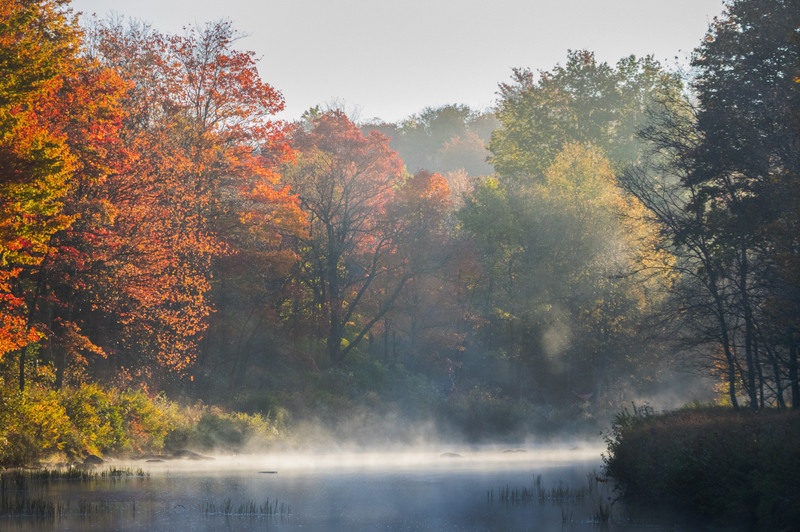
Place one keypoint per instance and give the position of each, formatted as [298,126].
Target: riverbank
[86,422]
[727,467]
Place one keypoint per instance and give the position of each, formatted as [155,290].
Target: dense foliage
[63,425]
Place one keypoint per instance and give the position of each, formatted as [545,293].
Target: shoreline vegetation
[85,424]
[79,425]
[708,464]
[723,466]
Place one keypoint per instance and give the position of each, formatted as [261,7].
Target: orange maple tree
[367,219]
[38,47]
[202,149]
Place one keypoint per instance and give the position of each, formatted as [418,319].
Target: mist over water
[452,487]
[454,457]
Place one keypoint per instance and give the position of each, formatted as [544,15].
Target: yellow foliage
[581,181]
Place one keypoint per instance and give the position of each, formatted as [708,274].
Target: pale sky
[391,58]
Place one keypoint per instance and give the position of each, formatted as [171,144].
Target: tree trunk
[61,356]
[334,301]
[334,339]
[724,337]
[22,369]
[760,370]
[726,349]
[40,286]
[414,324]
[732,384]
[748,332]
[386,340]
[794,386]
[60,360]
[776,370]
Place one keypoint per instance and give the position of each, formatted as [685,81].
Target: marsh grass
[537,492]
[123,473]
[250,508]
[23,492]
[27,506]
[602,515]
[31,477]
[716,465]
[92,508]
[592,502]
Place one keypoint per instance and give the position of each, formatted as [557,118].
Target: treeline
[722,183]
[132,161]
[519,302]
[498,271]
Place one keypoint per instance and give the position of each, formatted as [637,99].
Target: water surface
[433,489]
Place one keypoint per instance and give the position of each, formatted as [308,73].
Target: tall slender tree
[730,199]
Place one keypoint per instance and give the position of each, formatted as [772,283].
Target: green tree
[582,101]
[442,139]
[747,160]
[563,289]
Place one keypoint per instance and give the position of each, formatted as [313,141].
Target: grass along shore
[719,465]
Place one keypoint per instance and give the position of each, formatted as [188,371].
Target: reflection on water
[446,489]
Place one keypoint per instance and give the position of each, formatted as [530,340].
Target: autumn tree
[86,111]
[57,117]
[345,181]
[426,324]
[195,134]
[38,41]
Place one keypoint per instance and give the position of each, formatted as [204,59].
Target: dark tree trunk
[794,386]
[776,370]
[386,339]
[726,349]
[749,331]
[22,370]
[732,385]
[759,372]
[60,360]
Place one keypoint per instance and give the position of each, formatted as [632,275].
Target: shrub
[94,416]
[147,420]
[33,425]
[713,463]
[87,418]
[226,431]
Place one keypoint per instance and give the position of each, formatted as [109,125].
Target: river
[446,488]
